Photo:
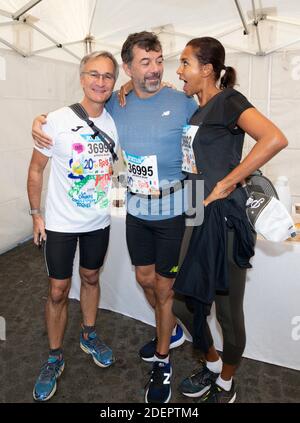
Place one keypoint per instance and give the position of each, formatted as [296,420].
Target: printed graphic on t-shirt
[188,156]
[142,174]
[91,168]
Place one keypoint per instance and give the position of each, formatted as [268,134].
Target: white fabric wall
[31,86]
[27,88]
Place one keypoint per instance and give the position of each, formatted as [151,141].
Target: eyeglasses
[96,75]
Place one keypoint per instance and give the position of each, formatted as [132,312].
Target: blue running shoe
[101,353]
[45,385]
[159,385]
[147,351]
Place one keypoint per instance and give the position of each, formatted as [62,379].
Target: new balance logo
[167,377]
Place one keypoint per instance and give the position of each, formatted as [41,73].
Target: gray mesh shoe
[198,383]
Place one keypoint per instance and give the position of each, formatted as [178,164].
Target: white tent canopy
[68,29]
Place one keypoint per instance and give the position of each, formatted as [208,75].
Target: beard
[151,83]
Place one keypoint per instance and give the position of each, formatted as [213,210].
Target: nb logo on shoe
[167,377]
[2,329]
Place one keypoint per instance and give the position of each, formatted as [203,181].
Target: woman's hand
[218,193]
[40,138]
[124,90]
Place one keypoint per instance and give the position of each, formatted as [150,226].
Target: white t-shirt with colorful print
[81,169]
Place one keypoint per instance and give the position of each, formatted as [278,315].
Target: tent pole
[282,20]
[88,44]
[25,9]
[283,46]
[11,23]
[58,45]
[6,14]
[93,16]
[42,33]
[255,23]
[237,3]
[7,44]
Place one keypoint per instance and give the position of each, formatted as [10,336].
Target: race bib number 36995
[142,174]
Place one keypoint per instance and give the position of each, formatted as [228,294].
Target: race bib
[91,157]
[188,156]
[91,170]
[142,174]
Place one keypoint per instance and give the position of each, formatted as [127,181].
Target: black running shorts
[60,251]
[155,242]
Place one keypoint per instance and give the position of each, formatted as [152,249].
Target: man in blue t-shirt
[150,129]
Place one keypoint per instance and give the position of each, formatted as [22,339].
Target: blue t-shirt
[153,126]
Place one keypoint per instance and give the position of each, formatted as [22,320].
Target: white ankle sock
[162,360]
[224,384]
[215,366]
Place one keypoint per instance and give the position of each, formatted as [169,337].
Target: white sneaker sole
[232,399]
[196,394]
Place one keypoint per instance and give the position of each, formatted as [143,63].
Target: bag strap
[80,111]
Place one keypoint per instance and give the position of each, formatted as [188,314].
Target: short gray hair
[95,55]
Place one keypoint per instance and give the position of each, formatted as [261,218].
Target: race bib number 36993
[92,156]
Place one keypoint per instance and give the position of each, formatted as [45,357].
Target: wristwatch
[34,211]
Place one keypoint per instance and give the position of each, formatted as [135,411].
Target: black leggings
[229,312]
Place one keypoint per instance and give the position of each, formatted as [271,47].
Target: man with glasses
[77,209]
[150,129]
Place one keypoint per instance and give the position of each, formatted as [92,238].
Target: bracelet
[34,211]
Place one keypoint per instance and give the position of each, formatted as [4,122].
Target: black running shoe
[198,383]
[147,352]
[218,395]
[159,385]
